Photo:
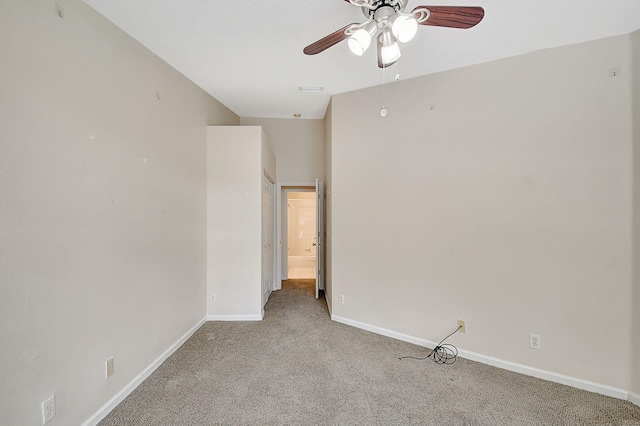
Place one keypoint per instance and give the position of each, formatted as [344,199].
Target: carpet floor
[297,367]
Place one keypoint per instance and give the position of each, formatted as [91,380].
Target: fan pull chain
[383,111]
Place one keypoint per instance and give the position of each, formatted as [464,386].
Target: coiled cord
[442,354]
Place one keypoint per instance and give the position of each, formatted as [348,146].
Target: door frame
[270,273]
[320,237]
[293,187]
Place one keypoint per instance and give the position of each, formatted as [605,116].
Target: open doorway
[301,230]
[305,250]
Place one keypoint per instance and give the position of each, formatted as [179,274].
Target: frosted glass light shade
[390,54]
[390,51]
[404,28]
[359,42]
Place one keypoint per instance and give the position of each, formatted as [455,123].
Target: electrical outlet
[48,409]
[462,324]
[534,341]
[110,367]
[341,299]
[213,298]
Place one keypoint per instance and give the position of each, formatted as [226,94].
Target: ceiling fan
[387,22]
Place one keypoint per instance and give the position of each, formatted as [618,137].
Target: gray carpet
[297,367]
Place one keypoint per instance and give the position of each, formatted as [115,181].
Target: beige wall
[635,77]
[499,194]
[236,158]
[102,208]
[298,145]
[328,204]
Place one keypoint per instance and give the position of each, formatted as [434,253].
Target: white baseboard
[384,332]
[132,385]
[505,365]
[547,375]
[235,317]
[634,398]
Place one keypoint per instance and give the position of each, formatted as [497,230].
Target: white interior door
[320,272]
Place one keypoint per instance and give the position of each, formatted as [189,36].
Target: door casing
[281,224]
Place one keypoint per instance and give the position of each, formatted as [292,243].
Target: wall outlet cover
[110,365]
[48,409]
[534,341]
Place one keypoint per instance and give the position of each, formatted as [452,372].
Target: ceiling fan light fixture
[359,42]
[404,28]
[390,54]
[390,51]
[389,25]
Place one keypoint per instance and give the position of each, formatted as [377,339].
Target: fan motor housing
[375,5]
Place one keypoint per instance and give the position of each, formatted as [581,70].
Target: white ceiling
[248,53]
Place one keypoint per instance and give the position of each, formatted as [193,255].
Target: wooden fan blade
[328,41]
[380,64]
[452,16]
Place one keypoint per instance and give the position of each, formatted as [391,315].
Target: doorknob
[314,244]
